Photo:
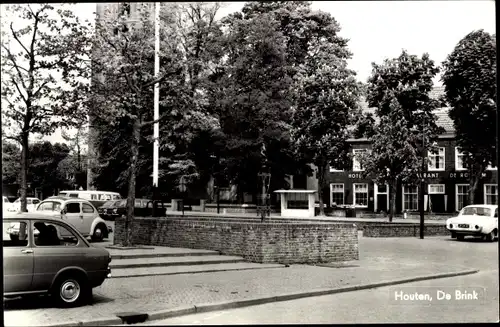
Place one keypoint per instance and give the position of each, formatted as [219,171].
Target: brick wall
[403,230]
[284,242]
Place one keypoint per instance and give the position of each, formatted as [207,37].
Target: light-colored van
[97,198]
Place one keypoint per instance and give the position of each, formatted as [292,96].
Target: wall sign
[463,175]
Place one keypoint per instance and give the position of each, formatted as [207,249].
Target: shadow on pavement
[43,302]
[469,240]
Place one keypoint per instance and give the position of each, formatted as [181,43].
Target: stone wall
[283,242]
[403,230]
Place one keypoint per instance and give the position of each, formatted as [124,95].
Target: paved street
[381,260]
[364,307]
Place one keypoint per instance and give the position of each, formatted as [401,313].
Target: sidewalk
[152,294]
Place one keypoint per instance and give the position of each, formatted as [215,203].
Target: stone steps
[188,269]
[190,260]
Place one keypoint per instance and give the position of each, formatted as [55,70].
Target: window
[5,200]
[73,208]
[49,206]
[382,188]
[337,194]
[459,160]
[73,195]
[410,198]
[436,189]
[297,201]
[116,197]
[490,194]
[334,170]
[462,196]
[361,195]
[478,211]
[87,208]
[36,201]
[53,234]
[496,213]
[93,196]
[356,163]
[436,160]
[18,233]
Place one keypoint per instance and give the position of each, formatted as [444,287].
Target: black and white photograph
[249,163]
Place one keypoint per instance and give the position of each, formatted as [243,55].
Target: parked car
[31,204]
[66,267]
[475,220]
[103,210]
[78,212]
[5,204]
[119,208]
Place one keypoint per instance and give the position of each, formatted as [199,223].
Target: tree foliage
[470,84]
[44,66]
[399,90]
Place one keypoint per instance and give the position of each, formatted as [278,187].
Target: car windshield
[478,211]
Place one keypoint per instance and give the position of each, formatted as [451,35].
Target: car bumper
[466,232]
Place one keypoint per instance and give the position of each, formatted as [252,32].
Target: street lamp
[216,165]
[265,176]
[422,180]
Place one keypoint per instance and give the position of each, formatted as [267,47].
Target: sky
[382,29]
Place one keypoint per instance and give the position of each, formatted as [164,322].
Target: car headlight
[451,225]
[477,227]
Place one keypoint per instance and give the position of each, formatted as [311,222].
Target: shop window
[462,196]
[410,198]
[491,194]
[297,201]
[436,189]
[337,194]
[361,195]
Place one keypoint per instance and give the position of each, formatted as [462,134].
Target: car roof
[31,215]
[65,198]
[483,205]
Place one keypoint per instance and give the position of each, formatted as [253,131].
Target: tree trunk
[321,184]
[24,170]
[475,176]
[392,200]
[134,148]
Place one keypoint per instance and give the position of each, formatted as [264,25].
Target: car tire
[71,291]
[460,237]
[453,235]
[490,237]
[98,234]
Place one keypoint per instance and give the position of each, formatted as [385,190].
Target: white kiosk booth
[297,203]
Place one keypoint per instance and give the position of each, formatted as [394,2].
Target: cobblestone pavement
[381,260]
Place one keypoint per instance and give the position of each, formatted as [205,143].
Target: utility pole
[422,182]
[156,131]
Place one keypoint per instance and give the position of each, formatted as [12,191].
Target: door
[55,247]
[74,216]
[18,259]
[89,214]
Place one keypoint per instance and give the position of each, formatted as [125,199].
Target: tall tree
[125,57]
[399,90]
[469,77]
[45,67]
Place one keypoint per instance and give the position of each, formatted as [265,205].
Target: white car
[31,204]
[78,212]
[475,220]
[6,204]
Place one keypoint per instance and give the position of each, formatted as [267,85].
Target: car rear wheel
[460,237]
[99,232]
[71,291]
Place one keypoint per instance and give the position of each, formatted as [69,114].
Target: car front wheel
[71,291]
[491,236]
[98,234]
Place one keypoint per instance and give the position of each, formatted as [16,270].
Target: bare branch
[14,63]
[19,90]
[17,39]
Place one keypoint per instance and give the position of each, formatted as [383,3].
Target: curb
[207,307]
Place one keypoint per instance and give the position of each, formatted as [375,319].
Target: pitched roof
[442,117]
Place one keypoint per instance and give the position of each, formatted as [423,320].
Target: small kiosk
[297,203]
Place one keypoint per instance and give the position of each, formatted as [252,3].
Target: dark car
[119,208]
[50,256]
[103,210]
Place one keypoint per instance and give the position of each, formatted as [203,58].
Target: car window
[116,197]
[73,195]
[5,200]
[29,201]
[479,211]
[496,213]
[87,208]
[17,200]
[49,206]
[17,232]
[36,201]
[53,234]
[73,207]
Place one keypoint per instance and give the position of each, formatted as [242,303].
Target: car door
[54,252]
[18,259]
[89,214]
[73,215]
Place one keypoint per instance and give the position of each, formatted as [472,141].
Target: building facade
[446,181]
